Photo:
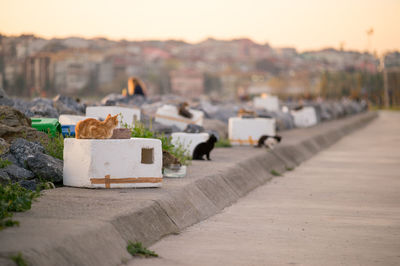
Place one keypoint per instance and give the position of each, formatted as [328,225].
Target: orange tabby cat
[244,112]
[94,129]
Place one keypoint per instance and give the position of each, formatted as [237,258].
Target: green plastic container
[48,125]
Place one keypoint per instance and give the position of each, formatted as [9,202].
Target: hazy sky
[304,24]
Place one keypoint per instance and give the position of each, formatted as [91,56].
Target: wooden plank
[107,181]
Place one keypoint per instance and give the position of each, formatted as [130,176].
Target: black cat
[268,141]
[204,148]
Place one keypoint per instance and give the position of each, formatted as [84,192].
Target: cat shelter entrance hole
[147,155]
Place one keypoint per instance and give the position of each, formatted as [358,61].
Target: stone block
[112,163]
[129,115]
[168,115]
[306,117]
[189,140]
[269,103]
[247,131]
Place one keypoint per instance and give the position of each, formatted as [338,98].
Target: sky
[303,24]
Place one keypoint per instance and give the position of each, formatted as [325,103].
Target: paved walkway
[342,207]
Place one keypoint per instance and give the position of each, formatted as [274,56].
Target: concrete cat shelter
[129,115]
[112,163]
[70,119]
[168,115]
[68,123]
[306,117]
[269,103]
[189,140]
[247,131]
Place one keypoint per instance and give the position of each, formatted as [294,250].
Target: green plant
[179,151]
[137,249]
[43,184]
[55,146]
[4,163]
[19,260]
[289,168]
[223,143]
[275,173]
[14,198]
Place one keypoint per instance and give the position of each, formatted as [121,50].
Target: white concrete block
[112,163]
[189,140]
[129,115]
[247,131]
[168,115]
[270,103]
[71,119]
[305,117]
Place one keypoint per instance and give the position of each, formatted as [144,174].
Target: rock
[191,128]
[113,99]
[23,107]
[11,133]
[4,146]
[21,149]
[118,99]
[4,100]
[160,128]
[44,110]
[14,124]
[3,93]
[136,100]
[28,184]
[46,167]
[8,156]
[17,173]
[4,177]
[13,118]
[216,125]
[67,105]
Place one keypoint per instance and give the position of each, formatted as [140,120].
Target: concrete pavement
[341,207]
[73,226]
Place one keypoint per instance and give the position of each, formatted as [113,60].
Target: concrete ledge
[72,226]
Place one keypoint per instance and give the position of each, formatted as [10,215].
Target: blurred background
[219,50]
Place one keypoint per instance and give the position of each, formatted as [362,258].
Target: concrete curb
[70,226]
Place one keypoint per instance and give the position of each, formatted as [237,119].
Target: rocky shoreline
[22,147]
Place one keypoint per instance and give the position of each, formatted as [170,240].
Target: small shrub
[4,163]
[14,198]
[137,249]
[289,168]
[275,173]
[179,151]
[55,146]
[19,260]
[223,143]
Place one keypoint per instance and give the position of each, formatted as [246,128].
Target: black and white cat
[204,148]
[269,141]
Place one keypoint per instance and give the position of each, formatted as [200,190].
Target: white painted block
[129,115]
[247,131]
[305,117]
[129,163]
[189,140]
[270,103]
[71,119]
[168,115]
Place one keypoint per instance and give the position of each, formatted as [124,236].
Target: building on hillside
[38,74]
[187,83]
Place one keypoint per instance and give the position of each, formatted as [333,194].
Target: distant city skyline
[304,25]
